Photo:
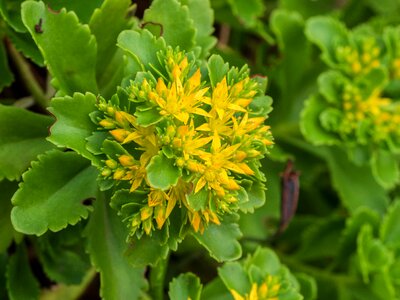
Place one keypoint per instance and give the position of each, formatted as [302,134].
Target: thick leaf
[255,192]
[247,11]
[221,241]
[69,49]
[234,277]
[22,138]
[111,12]
[390,228]
[184,287]
[162,172]
[24,43]
[351,181]
[328,34]
[348,239]
[203,17]
[216,290]
[309,8]
[372,254]
[385,168]
[62,255]
[142,46]
[311,126]
[10,10]
[106,236]
[83,9]
[21,283]
[52,194]
[217,69]
[171,20]
[148,250]
[6,76]
[73,124]
[308,286]
[6,229]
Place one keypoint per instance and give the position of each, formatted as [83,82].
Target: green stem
[157,276]
[27,77]
[317,273]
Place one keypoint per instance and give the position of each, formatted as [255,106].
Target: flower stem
[27,77]
[157,276]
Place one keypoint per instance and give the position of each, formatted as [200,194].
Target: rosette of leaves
[260,276]
[356,105]
[179,147]
[369,250]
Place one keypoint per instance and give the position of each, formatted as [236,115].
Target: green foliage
[70,59]
[107,254]
[198,149]
[21,141]
[53,204]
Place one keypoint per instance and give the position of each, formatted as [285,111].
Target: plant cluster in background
[140,149]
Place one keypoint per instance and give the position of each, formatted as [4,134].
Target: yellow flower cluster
[267,290]
[368,113]
[209,133]
[360,60]
[381,111]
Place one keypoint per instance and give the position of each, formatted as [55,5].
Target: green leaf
[148,250]
[10,10]
[390,227]
[52,193]
[83,9]
[311,126]
[348,240]
[7,231]
[184,287]
[351,181]
[247,11]
[73,124]
[329,86]
[327,33]
[221,241]
[148,117]
[21,283]
[217,69]
[372,254]
[385,168]
[203,18]
[308,286]
[6,76]
[22,138]
[234,277]
[106,236]
[198,201]
[162,172]
[172,22]
[215,290]
[62,255]
[309,8]
[24,43]
[111,12]
[68,47]
[256,197]
[142,46]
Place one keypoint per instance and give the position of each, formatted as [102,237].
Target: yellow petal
[200,184]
